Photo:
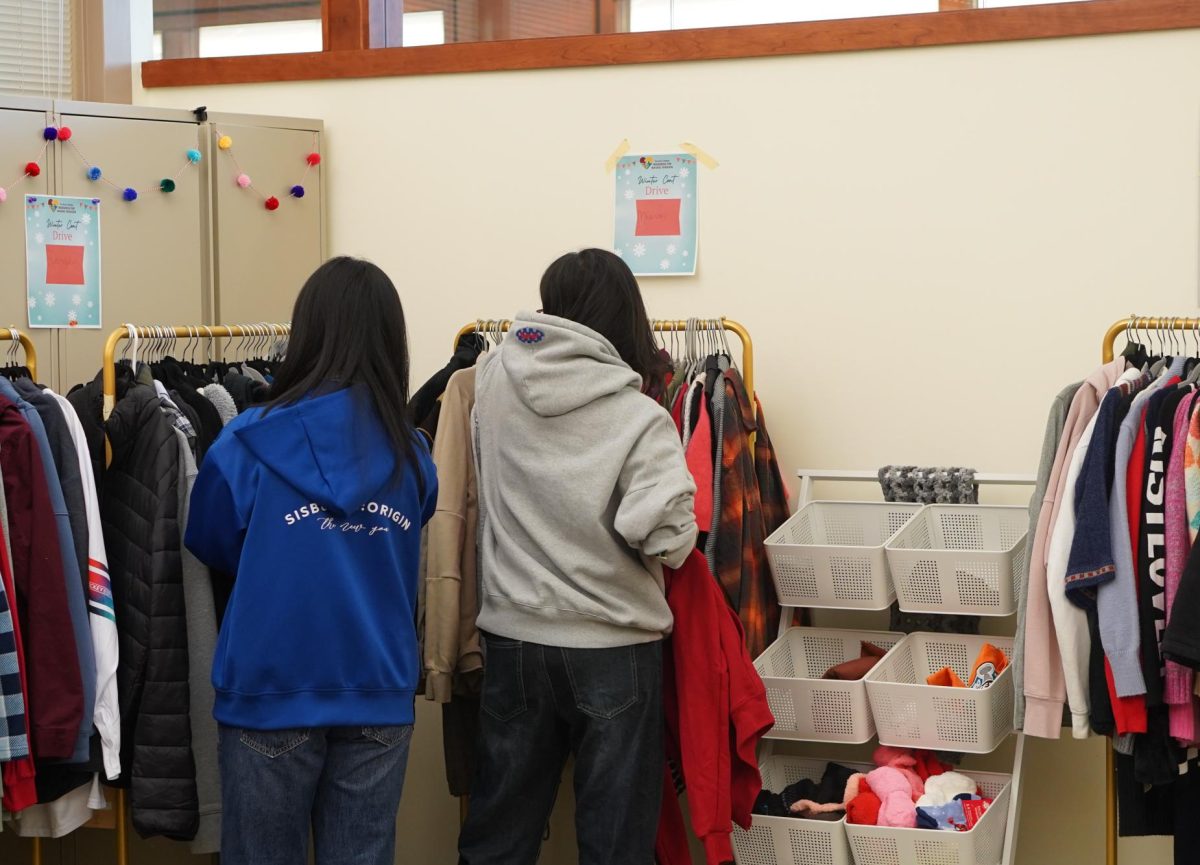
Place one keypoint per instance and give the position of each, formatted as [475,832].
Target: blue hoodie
[300,505]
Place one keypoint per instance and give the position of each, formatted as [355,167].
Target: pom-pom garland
[243,180]
[64,133]
[130,194]
[313,158]
[167,185]
[33,169]
[296,191]
[94,173]
[194,156]
[272,203]
[50,133]
[224,142]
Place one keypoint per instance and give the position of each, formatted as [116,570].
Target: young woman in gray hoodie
[584,496]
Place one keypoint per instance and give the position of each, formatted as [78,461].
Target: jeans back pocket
[604,682]
[273,743]
[504,679]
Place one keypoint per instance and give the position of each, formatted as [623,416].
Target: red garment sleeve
[52,670]
[19,776]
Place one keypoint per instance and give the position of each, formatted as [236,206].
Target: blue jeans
[541,703]
[343,782]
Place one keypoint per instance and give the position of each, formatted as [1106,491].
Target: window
[442,36]
[36,48]
[203,28]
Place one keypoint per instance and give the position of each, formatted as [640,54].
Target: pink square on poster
[658,217]
[64,264]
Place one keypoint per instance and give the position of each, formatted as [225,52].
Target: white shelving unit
[808,477]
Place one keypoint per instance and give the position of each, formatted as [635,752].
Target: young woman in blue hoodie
[585,495]
[315,503]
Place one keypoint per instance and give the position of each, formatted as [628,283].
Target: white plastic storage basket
[807,707]
[983,845]
[790,840]
[960,559]
[911,714]
[831,554]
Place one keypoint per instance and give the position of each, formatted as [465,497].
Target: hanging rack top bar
[11,333]
[661,326]
[191,331]
[1139,322]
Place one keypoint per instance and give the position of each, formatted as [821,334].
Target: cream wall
[926,245]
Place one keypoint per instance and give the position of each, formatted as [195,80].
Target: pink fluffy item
[903,761]
[895,794]
[941,789]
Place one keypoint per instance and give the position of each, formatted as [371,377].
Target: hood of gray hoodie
[557,366]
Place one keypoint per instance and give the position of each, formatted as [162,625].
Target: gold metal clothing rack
[658,325]
[17,337]
[1162,329]
[175,332]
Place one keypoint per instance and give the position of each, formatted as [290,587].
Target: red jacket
[716,712]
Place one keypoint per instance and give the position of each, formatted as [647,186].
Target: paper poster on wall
[656,213]
[62,261]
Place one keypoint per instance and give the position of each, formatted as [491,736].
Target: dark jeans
[541,703]
[344,782]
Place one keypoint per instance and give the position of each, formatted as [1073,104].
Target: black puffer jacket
[141,531]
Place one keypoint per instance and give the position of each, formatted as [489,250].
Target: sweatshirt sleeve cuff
[1127,673]
[439,687]
[1081,727]
[1043,717]
[1179,683]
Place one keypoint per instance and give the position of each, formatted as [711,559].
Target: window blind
[35,47]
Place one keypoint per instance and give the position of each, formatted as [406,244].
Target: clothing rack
[17,337]
[134,334]
[1162,330]
[176,332]
[658,325]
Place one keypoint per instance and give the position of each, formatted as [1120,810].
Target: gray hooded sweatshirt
[584,492]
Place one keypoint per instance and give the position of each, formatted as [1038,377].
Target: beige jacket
[451,576]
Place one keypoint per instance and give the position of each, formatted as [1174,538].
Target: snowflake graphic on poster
[32,302]
[90,304]
[72,318]
[76,300]
[86,219]
[685,172]
[629,195]
[671,249]
[639,249]
[665,264]
[619,252]
[49,299]
[39,237]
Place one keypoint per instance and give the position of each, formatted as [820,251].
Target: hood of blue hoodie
[557,365]
[338,465]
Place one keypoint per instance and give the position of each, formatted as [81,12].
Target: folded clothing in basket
[856,668]
[958,815]
[808,799]
[990,664]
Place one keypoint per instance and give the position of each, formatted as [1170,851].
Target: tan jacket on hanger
[451,572]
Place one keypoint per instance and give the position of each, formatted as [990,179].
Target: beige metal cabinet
[154,260]
[21,125]
[263,257]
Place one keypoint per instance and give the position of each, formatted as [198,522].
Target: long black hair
[597,289]
[348,329]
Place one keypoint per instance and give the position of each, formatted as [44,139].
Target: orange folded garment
[990,664]
[945,677]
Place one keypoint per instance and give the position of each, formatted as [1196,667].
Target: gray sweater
[584,491]
[202,642]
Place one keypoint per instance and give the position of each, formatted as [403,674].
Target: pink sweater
[1045,685]
[1180,679]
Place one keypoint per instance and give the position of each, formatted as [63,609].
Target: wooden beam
[347,23]
[768,40]
[956,5]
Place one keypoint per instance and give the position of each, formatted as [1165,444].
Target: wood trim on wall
[346,24]
[857,34]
